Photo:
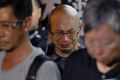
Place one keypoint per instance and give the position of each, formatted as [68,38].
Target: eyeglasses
[60,34]
[10,25]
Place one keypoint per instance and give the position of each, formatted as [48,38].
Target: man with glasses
[18,53]
[64,31]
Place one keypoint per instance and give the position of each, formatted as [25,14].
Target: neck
[62,54]
[67,53]
[104,68]
[17,55]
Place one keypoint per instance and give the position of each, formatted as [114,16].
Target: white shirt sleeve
[48,71]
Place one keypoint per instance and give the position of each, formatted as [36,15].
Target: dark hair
[22,8]
[98,12]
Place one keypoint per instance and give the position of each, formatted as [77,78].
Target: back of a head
[22,8]
[99,12]
[36,14]
[63,11]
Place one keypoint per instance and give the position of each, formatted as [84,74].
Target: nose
[65,37]
[98,48]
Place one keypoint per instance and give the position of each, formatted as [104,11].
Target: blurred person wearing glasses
[64,31]
[101,61]
[19,53]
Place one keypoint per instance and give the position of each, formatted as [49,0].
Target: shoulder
[50,50]
[80,56]
[48,71]
[82,52]
[49,64]
[37,51]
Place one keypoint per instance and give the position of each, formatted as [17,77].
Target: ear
[81,29]
[81,26]
[27,24]
[40,12]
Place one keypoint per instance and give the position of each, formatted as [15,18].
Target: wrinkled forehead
[64,21]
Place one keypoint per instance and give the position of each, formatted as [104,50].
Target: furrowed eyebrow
[67,31]
[5,21]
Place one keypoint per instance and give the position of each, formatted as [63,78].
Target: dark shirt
[60,61]
[80,66]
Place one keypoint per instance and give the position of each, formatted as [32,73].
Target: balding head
[64,11]
[64,29]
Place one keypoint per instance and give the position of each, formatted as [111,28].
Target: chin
[6,48]
[113,62]
[107,61]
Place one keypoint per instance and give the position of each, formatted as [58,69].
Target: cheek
[18,37]
[88,45]
[113,50]
[89,48]
[11,36]
[76,39]
[54,40]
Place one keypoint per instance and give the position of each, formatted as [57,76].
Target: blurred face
[103,45]
[64,33]
[10,35]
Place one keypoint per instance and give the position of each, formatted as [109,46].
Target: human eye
[5,25]
[71,33]
[106,42]
[59,33]
[91,41]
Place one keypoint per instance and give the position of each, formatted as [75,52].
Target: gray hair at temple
[99,12]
